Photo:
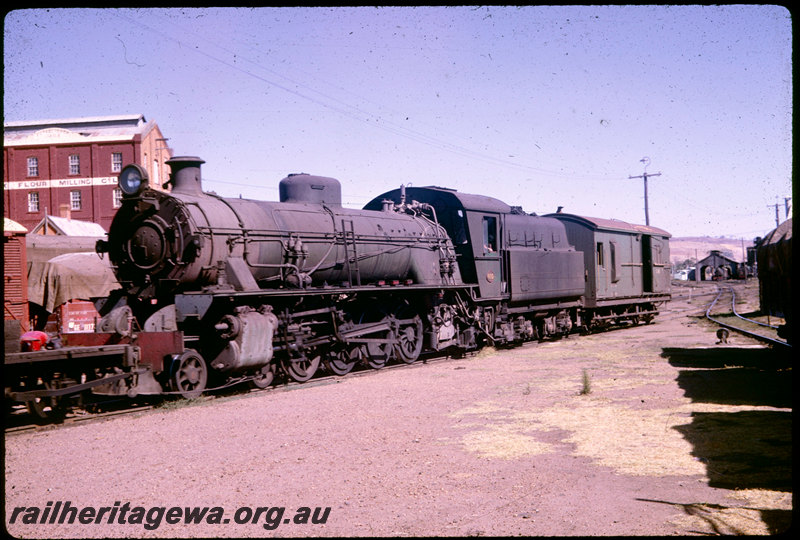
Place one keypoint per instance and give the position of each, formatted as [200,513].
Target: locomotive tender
[222,289]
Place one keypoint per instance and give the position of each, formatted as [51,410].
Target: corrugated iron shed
[15,279]
[52,225]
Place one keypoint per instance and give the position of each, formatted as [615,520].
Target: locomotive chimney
[185,175]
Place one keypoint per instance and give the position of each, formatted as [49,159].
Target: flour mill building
[69,167]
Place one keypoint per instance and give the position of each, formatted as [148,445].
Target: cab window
[489,234]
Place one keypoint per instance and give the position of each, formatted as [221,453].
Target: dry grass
[739,520]
[675,436]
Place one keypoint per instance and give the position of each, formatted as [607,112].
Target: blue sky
[538,106]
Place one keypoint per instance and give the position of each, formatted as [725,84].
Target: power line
[352,111]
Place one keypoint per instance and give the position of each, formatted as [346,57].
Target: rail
[754,335]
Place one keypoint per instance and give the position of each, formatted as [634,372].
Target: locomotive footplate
[128,353]
[196,304]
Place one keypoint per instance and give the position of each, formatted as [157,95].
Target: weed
[586,386]
[175,404]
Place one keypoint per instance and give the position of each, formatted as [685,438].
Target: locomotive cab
[508,254]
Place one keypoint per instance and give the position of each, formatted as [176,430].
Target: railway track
[729,319]
[20,421]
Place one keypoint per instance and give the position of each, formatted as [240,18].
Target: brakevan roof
[602,224]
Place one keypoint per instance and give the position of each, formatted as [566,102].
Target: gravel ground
[651,430]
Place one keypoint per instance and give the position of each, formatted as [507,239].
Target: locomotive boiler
[162,243]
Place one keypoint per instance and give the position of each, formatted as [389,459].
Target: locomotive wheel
[376,354]
[44,411]
[342,362]
[409,340]
[191,374]
[264,377]
[304,368]
[47,409]
[379,353]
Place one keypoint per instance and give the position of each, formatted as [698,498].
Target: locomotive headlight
[133,179]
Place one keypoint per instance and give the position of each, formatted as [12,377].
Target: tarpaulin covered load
[71,276]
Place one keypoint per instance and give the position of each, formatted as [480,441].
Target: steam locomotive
[217,290]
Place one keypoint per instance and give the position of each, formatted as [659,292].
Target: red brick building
[69,167]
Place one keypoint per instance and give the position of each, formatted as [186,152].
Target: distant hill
[691,247]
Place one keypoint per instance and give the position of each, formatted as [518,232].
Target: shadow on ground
[727,520]
[734,376]
[750,449]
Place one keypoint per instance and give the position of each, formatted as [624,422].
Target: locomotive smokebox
[185,176]
[306,188]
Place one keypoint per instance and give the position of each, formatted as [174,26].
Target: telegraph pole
[777,217]
[786,205]
[645,176]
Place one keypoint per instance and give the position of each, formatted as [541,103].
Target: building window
[117,201]
[75,200]
[74,164]
[33,201]
[33,166]
[116,162]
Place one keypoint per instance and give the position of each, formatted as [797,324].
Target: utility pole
[777,215]
[645,176]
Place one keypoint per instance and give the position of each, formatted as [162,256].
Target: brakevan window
[116,162]
[74,164]
[600,261]
[117,201]
[75,200]
[33,201]
[33,166]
